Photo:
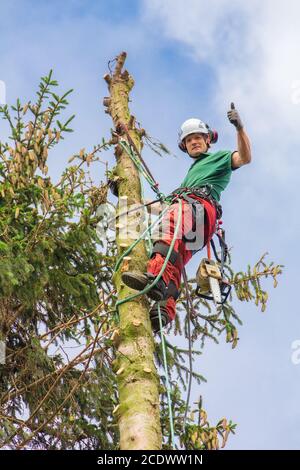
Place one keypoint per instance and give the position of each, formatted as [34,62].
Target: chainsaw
[210,284]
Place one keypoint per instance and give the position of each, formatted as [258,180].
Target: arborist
[207,177]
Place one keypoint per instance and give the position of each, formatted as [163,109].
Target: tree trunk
[138,411]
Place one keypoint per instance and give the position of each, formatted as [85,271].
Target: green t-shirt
[210,168]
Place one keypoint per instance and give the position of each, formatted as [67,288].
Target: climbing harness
[204,192]
[211,284]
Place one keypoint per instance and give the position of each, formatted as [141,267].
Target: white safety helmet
[192,126]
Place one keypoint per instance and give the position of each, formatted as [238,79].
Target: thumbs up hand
[234,118]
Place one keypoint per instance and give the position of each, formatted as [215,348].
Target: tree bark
[138,411]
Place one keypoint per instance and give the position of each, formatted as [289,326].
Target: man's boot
[154,316]
[139,281]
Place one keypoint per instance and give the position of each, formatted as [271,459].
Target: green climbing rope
[150,286]
[168,388]
[127,148]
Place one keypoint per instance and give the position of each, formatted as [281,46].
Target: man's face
[196,144]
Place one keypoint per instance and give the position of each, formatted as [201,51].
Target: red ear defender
[213,136]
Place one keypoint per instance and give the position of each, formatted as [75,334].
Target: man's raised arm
[243,155]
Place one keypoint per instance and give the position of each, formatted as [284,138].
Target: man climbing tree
[207,177]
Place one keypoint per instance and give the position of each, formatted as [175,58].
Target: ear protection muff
[213,134]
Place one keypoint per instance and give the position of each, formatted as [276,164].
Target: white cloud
[253,49]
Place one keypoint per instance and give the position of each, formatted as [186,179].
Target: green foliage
[55,288]
[200,435]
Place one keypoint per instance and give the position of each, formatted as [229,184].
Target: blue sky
[191,59]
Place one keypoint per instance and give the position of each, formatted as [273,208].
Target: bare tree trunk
[138,382]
